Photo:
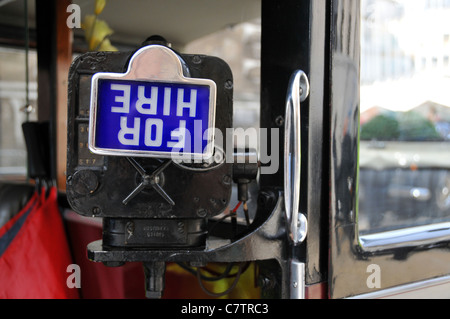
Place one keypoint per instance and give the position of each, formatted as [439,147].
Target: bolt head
[202,213]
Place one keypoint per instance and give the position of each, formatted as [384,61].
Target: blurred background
[405,114]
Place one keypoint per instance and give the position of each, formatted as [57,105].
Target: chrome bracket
[297,280]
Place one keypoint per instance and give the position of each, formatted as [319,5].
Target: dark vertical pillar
[46,39]
[46,53]
[54,56]
[284,49]
[294,36]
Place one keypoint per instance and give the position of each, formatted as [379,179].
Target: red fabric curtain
[35,254]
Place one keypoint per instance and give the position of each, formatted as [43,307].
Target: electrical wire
[226,273]
[247,217]
[234,219]
[229,215]
[237,207]
[221,294]
[211,271]
[221,276]
[220,220]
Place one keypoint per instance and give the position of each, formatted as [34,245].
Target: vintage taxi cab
[190,149]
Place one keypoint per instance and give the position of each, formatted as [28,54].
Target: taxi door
[388,226]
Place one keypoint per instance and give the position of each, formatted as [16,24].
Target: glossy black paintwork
[293,38]
[264,242]
[348,262]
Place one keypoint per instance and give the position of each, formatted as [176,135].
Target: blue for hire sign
[153,117]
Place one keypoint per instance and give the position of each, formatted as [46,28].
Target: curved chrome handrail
[298,91]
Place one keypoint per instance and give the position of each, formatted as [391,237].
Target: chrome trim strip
[297,280]
[422,289]
[408,237]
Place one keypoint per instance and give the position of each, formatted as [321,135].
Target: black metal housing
[97,185]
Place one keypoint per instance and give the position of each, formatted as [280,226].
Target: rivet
[228,84]
[196,59]
[279,121]
[202,213]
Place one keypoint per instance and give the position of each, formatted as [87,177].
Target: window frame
[400,263]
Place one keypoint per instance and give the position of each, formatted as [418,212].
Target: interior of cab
[362,183]
[47,36]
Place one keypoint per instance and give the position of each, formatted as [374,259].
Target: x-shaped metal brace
[149,180]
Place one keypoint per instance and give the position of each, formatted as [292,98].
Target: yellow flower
[99,6]
[96,32]
[107,46]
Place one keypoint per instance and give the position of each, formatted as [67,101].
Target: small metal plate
[152,110]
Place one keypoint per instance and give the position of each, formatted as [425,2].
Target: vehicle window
[13,155]
[240,46]
[404,178]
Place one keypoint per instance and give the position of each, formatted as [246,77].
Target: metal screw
[226,180]
[196,59]
[279,121]
[266,282]
[202,213]
[181,227]
[27,109]
[84,182]
[213,202]
[302,228]
[229,84]
[130,229]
